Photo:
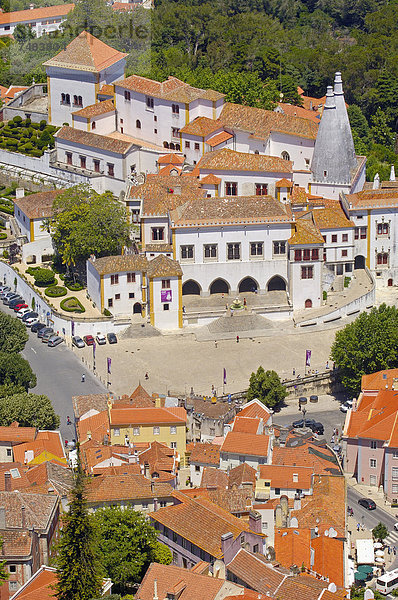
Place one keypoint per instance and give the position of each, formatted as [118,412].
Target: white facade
[165,306]
[228,460]
[40,21]
[101,124]
[120,293]
[246,180]
[305,277]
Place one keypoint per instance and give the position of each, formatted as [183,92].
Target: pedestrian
[244,301]
[389,550]
[146,375]
[334,431]
[83,378]
[68,421]
[294,372]
[226,307]
[358,526]
[327,365]
[183,310]
[332,440]
[212,390]
[66,443]
[237,339]
[394,550]
[232,312]
[215,343]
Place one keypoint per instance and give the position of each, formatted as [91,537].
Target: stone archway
[248,284]
[359,262]
[191,287]
[219,286]
[137,308]
[276,283]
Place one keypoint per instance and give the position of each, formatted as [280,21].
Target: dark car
[20,306]
[303,423]
[37,326]
[112,339]
[8,299]
[367,503]
[89,340]
[44,330]
[12,304]
[29,315]
[318,428]
[77,341]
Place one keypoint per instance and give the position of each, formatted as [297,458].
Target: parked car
[89,340]
[346,406]
[8,299]
[367,503]
[37,326]
[5,289]
[47,335]
[20,306]
[77,341]
[101,339]
[44,330]
[396,526]
[22,312]
[12,304]
[31,321]
[112,339]
[303,423]
[28,315]
[318,428]
[54,340]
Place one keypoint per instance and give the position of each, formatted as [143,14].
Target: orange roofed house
[370,434]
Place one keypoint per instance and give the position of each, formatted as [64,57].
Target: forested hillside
[254,50]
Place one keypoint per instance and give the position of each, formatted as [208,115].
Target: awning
[365,552]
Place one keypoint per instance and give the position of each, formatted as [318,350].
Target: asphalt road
[331,419]
[58,373]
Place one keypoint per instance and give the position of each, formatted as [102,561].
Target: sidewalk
[368,491]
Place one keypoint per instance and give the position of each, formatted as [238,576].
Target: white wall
[124,306]
[41,247]
[94,284]
[149,222]
[305,289]
[38,26]
[297,147]
[165,319]
[246,180]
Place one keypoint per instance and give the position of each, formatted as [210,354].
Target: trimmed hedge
[74,287]
[72,304]
[3,236]
[43,277]
[55,291]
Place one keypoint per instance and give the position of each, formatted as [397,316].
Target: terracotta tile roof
[231,210]
[205,453]
[255,409]
[167,577]
[213,410]
[51,476]
[145,416]
[373,199]
[40,586]
[170,89]
[9,93]
[292,546]
[35,14]
[299,111]
[284,183]
[120,264]
[330,218]
[379,380]
[86,53]
[219,138]
[38,206]
[329,558]
[94,427]
[241,475]
[17,435]
[171,159]
[235,501]
[307,454]
[138,399]
[260,122]
[106,90]
[210,179]
[94,454]
[212,477]
[305,587]
[82,404]
[94,110]
[282,476]
[119,470]
[200,522]
[46,446]
[159,457]
[247,444]
[158,248]
[246,424]
[115,488]
[163,266]
[18,479]
[230,160]
[376,418]
[202,126]
[305,232]
[170,170]
[39,509]
[16,543]
[93,140]
[157,197]
[255,573]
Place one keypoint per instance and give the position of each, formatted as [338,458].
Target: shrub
[42,124]
[3,236]
[32,270]
[44,277]
[55,291]
[72,304]
[7,209]
[347,281]
[36,153]
[107,312]
[325,295]
[74,287]
[17,119]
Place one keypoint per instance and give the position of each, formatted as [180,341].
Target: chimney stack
[2,517]
[255,521]
[7,481]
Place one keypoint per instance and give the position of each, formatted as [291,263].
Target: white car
[101,339]
[396,526]
[23,312]
[31,321]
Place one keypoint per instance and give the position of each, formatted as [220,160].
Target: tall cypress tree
[78,565]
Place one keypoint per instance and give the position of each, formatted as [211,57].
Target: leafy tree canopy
[367,345]
[128,545]
[13,335]
[15,370]
[30,410]
[380,532]
[266,386]
[88,223]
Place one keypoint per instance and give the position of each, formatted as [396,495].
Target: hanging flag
[94,347]
[225,376]
[308,358]
[73,327]
[109,362]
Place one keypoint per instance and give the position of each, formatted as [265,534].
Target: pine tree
[78,565]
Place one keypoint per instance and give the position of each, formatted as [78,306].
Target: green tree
[266,386]
[13,335]
[22,33]
[16,370]
[30,410]
[77,559]
[368,344]
[88,223]
[128,545]
[380,131]
[380,532]
[3,569]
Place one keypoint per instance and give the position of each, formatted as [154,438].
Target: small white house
[39,20]
[165,292]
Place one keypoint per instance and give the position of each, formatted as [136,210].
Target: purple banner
[73,327]
[165,296]
[225,376]
[308,358]
[94,347]
[109,362]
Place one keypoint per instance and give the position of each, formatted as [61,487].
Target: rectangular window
[334,238]
[395,488]
[131,295]
[136,431]
[156,430]
[165,284]
[186,252]
[94,125]
[12,568]
[306,254]
[127,95]
[175,109]
[256,249]
[149,103]
[130,277]
[315,254]
[187,144]
[231,188]
[166,306]
[373,444]
[197,146]
[210,251]
[96,166]
[145,505]
[382,229]
[173,445]
[157,234]
[9,452]
[175,132]
[233,251]
[373,463]
[364,231]
[173,429]
[69,158]
[110,302]
[117,296]
[279,247]
[197,469]
[382,258]
[13,585]
[277,491]
[395,454]
[344,253]
[307,272]
[261,189]
[344,237]
[114,279]
[297,255]
[395,473]
[356,233]
[116,432]
[255,548]
[111,169]
[82,162]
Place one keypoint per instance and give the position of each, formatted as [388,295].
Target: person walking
[146,375]
[68,421]
[83,378]
[237,339]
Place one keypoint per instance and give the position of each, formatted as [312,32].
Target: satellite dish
[326,532]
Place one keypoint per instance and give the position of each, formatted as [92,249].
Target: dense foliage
[30,410]
[266,386]
[16,371]
[128,545]
[367,345]
[380,532]
[26,137]
[13,335]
